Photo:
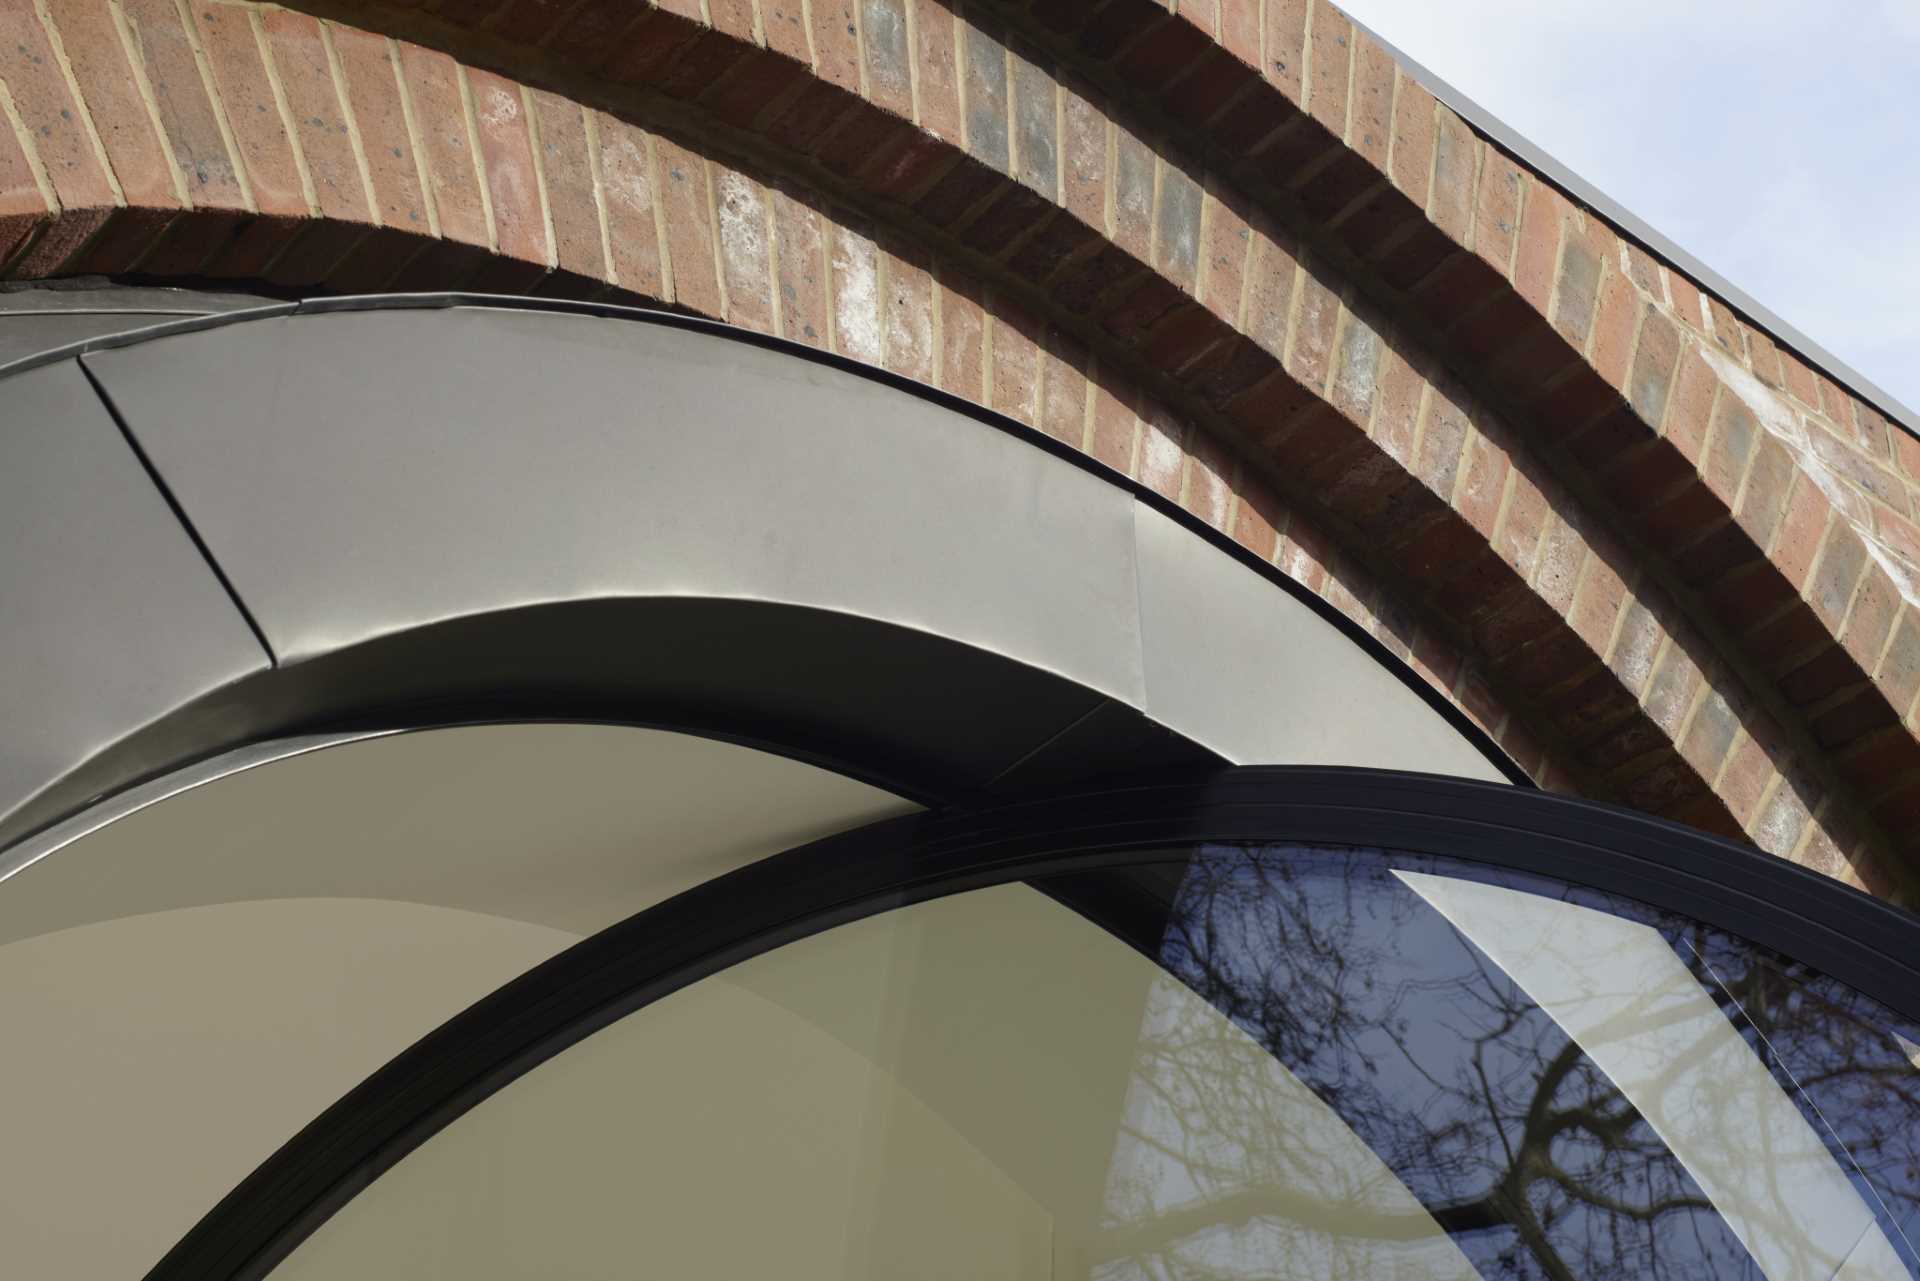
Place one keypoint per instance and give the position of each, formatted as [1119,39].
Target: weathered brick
[1133,165]
[1370,124]
[985,81]
[1443,442]
[1577,292]
[1654,358]
[1356,370]
[1317,312]
[1084,158]
[1729,448]
[1669,695]
[1724,331]
[626,186]
[1161,457]
[853,263]
[513,185]
[1496,218]
[1034,115]
[1482,484]
[1830,590]
[741,215]
[1177,227]
[962,338]
[1709,736]
[883,30]
[1769,481]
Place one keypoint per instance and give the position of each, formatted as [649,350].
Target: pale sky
[1777,141]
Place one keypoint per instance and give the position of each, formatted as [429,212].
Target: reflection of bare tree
[1515,1142]
[1841,1050]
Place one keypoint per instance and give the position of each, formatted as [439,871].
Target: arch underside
[1363,342]
[542,514]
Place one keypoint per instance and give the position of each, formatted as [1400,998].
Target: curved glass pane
[1233,1063]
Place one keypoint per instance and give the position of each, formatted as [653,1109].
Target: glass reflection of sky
[1478,1099]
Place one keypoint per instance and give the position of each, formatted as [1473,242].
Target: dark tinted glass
[1229,1062]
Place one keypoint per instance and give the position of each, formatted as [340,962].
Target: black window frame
[1847,935]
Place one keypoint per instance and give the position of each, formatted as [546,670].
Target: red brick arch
[1235,251]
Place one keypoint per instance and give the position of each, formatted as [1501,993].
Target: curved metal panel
[1245,670]
[420,467]
[438,509]
[113,619]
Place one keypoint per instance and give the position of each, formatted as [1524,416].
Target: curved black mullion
[1851,937]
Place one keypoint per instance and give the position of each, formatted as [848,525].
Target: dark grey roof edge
[1630,225]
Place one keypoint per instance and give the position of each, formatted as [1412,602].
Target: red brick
[1063,389]
[935,69]
[680,186]
[1414,126]
[506,147]
[908,307]
[1312,348]
[1687,302]
[1084,158]
[962,344]
[1370,126]
[1611,346]
[1331,64]
[1016,365]
[1207,494]
[1240,29]
[1258,518]
[105,75]
[186,111]
[313,99]
[1226,241]
[433,82]
[1798,380]
[1726,330]
[262,134]
[1456,166]
[1496,219]
[1162,460]
[740,210]
[626,186]
[836,47]
[372,90]
[1286,47]
[853,275]
[47,108]
[1113,428]
[1536,260]
[800,250]
[1483,481]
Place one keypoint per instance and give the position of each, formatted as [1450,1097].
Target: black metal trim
[1847,935]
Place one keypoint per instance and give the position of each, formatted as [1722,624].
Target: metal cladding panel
[358,474]
[1260,678]
[109,616]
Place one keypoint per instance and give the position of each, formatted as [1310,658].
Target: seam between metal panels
[179,512]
